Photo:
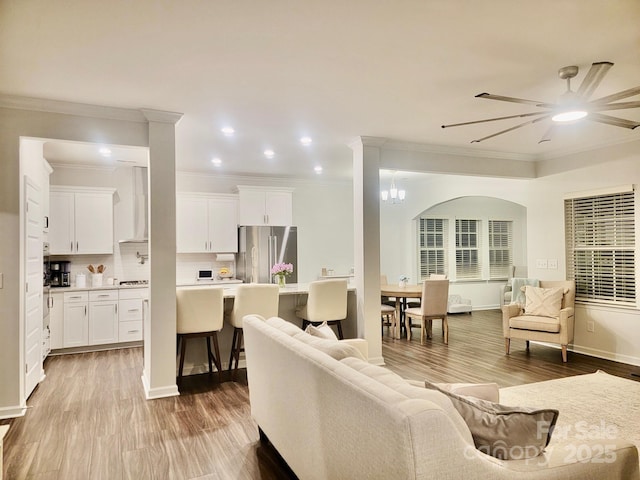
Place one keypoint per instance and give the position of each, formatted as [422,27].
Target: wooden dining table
[401,294]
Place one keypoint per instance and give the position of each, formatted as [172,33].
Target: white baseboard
[594,352]
[159,392]
[12,412]
[377,360]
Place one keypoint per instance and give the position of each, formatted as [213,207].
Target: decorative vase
[281,281]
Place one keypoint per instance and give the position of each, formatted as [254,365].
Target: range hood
[140,207]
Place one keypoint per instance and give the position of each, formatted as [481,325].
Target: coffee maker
[60,273]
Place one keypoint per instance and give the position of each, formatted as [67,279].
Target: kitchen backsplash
[124,264]
[188,264]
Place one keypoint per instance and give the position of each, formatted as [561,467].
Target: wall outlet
[552,263]
[541,263]
[591,326]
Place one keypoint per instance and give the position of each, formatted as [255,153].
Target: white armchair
[517,323]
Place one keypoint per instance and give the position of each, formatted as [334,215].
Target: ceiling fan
[571,106]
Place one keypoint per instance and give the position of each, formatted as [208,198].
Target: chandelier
[394,194]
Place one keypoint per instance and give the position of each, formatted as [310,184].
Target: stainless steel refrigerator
[259,248]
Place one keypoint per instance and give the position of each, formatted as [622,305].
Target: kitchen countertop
[104,287]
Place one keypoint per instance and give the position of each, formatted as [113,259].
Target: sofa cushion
[284,326]
[400,385]
[482,391]
[543,302]
[333,348]
[507,433]
[533,322]
[321,331]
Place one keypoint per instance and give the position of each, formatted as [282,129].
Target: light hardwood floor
[89,418]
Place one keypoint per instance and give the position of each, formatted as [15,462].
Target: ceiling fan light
[569,116]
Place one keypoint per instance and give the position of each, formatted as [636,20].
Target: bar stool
[327,302]
[200,313]
[253,298]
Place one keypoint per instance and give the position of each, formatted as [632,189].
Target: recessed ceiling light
[216,161]
[306,141]
[318,169]
[227,131]
[105,152]
[269,153]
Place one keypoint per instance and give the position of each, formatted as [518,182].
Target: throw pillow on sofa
[334,348]
[322,331]
[507,433]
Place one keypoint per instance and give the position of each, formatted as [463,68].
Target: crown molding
[161,116]
[555,154]
[71,108]
[273,181]
[458,151]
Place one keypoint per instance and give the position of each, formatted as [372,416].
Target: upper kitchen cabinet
[206,223]
[81,220]
[265,206]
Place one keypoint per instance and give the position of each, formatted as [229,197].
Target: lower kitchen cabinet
[103,317]
[131,313]
[96,317]
[56,320]
[75,330]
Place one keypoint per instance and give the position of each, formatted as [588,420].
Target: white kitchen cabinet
[206,223]
[131,314]
[80,221]
[56,320]
[103,317]
[75,330]
[265,206]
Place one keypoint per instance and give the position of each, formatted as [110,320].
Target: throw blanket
[517,295]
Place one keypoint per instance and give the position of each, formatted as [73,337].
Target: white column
[366,224]
[159,374]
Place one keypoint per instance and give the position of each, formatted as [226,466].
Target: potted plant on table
[281,271]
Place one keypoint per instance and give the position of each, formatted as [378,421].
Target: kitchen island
[292,296]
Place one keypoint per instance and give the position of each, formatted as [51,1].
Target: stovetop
[134,282]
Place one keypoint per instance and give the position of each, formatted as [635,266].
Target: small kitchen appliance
[60,273]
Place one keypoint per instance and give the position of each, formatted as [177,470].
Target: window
[432,246]
[500,248]
[600,243]
[468,249]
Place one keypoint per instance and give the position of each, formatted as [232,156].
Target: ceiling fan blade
[548,134]
[613,106]
[593,78]
[617,96]
[493,119]
[515,100]
[615,121]
[535,120]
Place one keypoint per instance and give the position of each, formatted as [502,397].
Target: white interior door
[33,287]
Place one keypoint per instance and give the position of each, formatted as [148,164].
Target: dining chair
[199,314]
[250,299]
[433,306]
[326,302]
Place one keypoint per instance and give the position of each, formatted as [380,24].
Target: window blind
[600,245]
[468,249]
[500,248]
[432,246]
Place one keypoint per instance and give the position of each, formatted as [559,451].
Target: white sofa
[331,417]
